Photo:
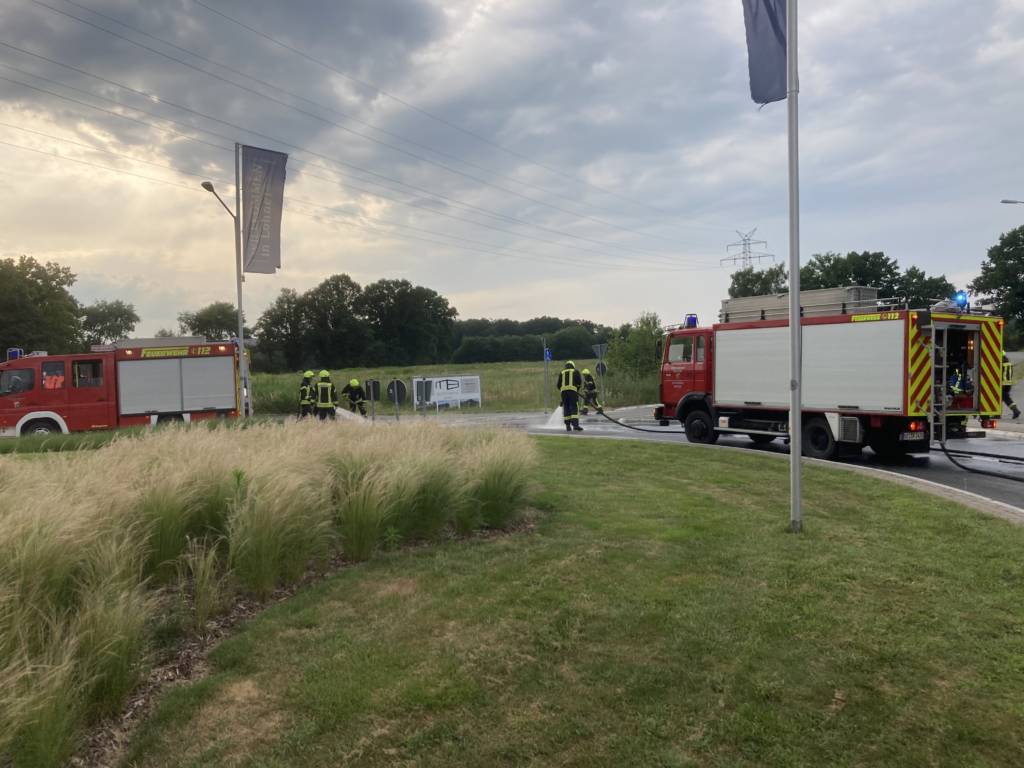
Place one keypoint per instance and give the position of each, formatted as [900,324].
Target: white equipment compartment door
[856,365]
[148,386]
[208,383]
[752,366]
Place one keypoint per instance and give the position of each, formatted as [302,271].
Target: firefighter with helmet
[356,396]
[589,393]
[569,384]
[307,395]
[326,397]
[1008,386]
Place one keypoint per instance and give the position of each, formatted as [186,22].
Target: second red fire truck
[873,374]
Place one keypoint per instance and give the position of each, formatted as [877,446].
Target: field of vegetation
[506,386]
[106,553]
[660,615]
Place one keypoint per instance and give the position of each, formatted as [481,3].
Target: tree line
[339,323]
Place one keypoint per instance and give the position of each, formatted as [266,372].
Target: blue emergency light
[961,299]
[690,321]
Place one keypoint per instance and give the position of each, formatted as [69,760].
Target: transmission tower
[747,256]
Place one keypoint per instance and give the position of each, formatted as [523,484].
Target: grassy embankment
[506,386]
[661,615]
[106,553]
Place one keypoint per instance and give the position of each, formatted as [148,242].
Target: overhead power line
[327,107]
[347,129]
[496,250]
[429,114]
[747,255]
[304,172]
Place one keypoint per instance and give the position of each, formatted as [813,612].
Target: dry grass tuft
[92,534]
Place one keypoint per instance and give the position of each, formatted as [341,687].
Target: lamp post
[243,364]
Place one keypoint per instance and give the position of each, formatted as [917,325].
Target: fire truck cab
[130,383]
[873,373]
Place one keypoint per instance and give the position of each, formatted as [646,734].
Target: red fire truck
[890,378]
[129,383]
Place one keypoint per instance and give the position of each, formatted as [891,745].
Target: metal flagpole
[795,415]
[243,364]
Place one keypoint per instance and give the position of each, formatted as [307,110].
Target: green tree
[213,322]
[1001,281]
[107,321]
[758,282]
[335,336]
[410,324]
[281,329]
[870,268]
[919,290]
[165,333]
[37,311]
[634,351]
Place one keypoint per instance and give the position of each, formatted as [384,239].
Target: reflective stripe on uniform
[323,394]
[565,383]
[1007,373]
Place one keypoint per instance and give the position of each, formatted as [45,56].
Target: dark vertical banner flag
[766,48]
[263,173]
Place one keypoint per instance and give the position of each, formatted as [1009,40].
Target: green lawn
[659,615]
[506,386]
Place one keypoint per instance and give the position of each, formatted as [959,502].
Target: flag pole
[243,363]
[795,413]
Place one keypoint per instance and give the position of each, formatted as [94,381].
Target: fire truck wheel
[40,427]
[818,440]
[699,427]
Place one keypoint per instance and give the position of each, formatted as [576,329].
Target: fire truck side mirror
[658,349]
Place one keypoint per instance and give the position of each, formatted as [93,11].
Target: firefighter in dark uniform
[356,396]
[326,397]
[589,393]
[307,395]
[569,384]
[1008,385]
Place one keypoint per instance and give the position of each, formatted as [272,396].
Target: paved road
[934,467]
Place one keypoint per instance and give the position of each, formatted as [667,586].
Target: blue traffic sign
[547,353]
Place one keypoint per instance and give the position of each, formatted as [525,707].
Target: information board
[446,391]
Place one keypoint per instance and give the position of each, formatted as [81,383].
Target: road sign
[600,350]
[373,390]
[547,353]
[397,391]
[601,368]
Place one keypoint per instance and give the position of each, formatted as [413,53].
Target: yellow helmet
[307,375]
[586,371]
[570,364]
[325,374]
[354,383]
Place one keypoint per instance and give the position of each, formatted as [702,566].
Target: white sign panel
[446,391]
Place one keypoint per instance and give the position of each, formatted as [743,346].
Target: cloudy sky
[525,157]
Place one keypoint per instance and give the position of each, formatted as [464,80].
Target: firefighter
[589,393]
[307,395]
[1008,385]
[326,397]
[356,396]
[569,384]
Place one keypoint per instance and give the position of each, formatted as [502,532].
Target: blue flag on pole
[766,48]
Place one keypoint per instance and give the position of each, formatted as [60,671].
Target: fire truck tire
[41,427]
[761,439]
[818,440]
[699,428]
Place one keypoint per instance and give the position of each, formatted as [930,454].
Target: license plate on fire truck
[911,435]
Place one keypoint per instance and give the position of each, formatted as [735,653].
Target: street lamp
[243,364]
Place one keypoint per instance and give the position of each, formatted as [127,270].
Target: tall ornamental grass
[92,543]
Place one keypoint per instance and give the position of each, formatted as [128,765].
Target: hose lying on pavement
[986,472]
[638,429]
